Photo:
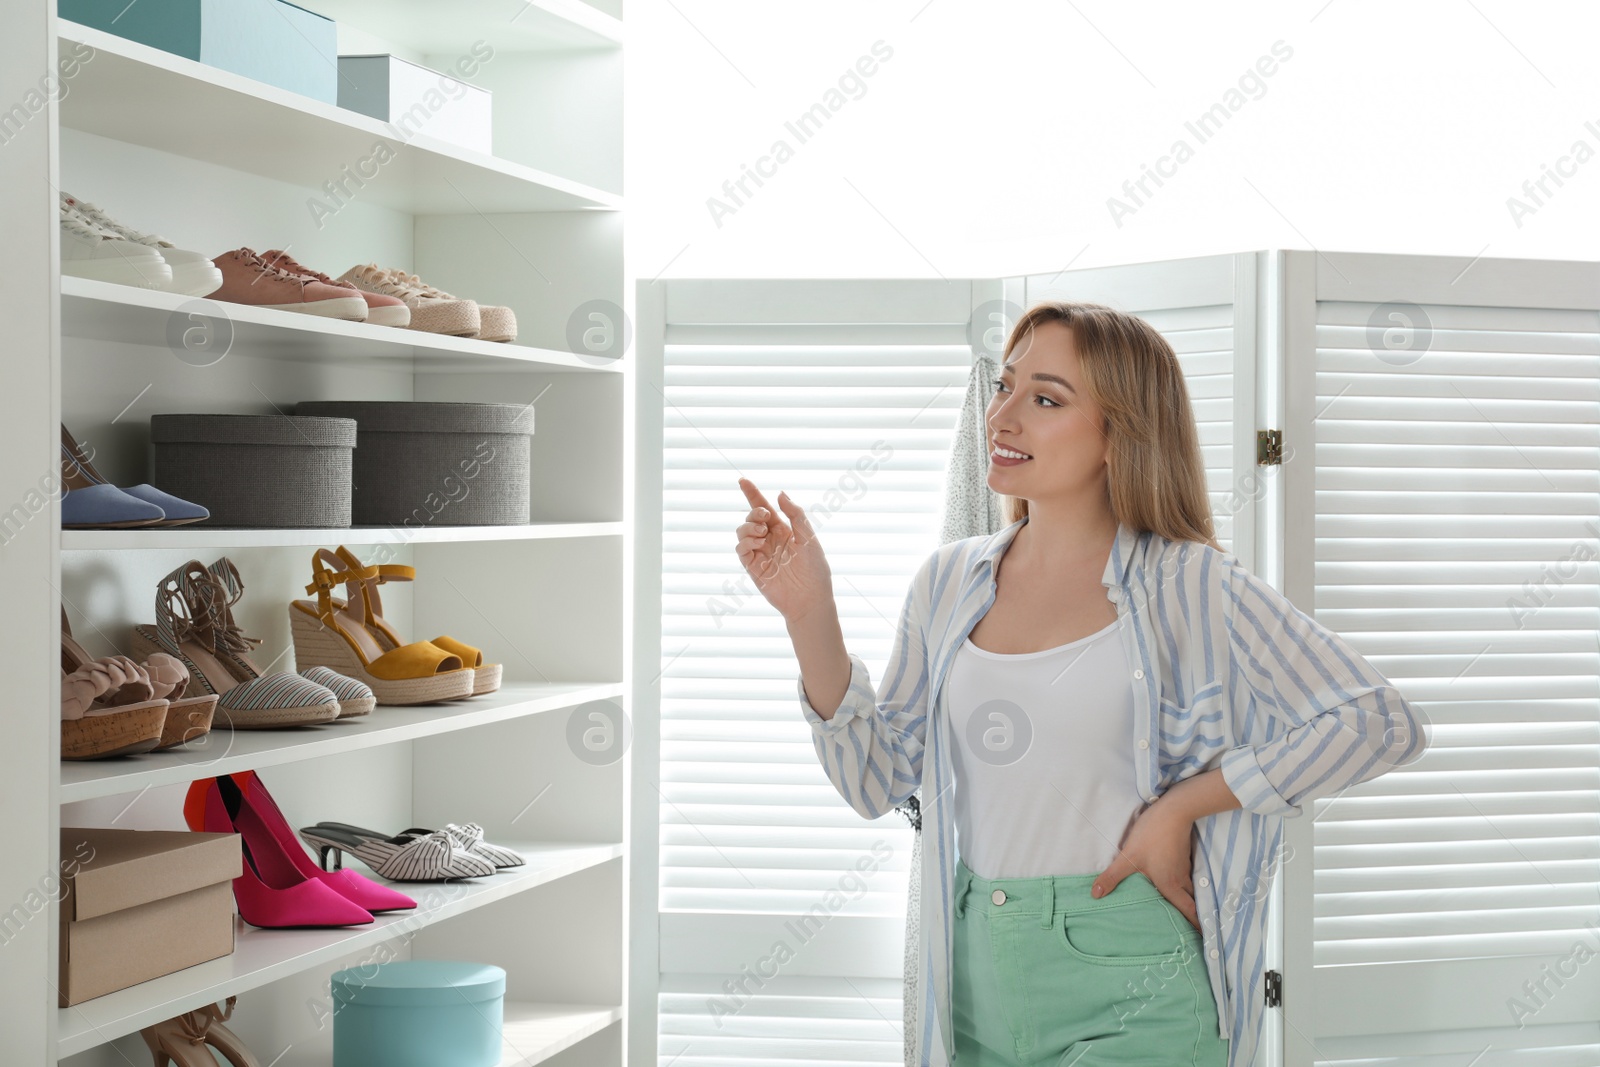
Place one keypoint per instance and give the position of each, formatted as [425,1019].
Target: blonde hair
[1155,476]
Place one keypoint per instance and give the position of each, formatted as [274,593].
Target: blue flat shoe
[93,505]
[178,511]
[175,510]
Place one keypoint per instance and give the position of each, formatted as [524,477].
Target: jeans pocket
[1144,932]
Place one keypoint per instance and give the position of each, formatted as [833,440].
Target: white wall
[990,141]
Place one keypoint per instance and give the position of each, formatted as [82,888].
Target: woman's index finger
[753,495]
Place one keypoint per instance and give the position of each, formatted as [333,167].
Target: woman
[1122,717]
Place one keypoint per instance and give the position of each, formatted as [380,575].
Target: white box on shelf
[418,100]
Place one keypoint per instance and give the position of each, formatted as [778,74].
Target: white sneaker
[87,251]
[193,273]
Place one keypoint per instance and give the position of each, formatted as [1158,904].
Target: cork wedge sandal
[485,676]
[108,707]
[190,627]
[187,717]
[331,636]
[354,697]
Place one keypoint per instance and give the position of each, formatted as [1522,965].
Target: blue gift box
[268,40]
[418,1013]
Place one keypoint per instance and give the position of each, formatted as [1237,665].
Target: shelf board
[263,956]
[208,537]
[533,1031]
[105,311]
[145,96]
[507,25]
[227,751]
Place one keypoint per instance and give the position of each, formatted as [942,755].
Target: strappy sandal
[405,857]
[186,1040]
[187,717]
[108,706]
[330,635]
[355,698]
[485,676]
[190,627]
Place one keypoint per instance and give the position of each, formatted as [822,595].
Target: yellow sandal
[485,676]
[327,633]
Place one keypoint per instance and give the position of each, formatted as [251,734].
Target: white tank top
[1043,757]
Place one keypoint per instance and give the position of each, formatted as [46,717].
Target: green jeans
[1044,974]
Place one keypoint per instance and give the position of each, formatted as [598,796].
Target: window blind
[794,1021]
[855,424]
[1456,540]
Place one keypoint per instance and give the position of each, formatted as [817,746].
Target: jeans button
[998,896]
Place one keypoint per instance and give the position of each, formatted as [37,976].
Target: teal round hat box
[418,1013]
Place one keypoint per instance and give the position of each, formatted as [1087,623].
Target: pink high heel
[373,896]
[270,892]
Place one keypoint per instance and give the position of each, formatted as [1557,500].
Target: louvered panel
[1203,339]
[780,1020]
[749,821]
[1458,549]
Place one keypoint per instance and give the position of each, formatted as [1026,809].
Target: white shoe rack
[214,161]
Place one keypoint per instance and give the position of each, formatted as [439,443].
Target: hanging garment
[971,509]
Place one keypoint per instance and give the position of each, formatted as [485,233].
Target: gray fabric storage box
[257,470]
[422,463]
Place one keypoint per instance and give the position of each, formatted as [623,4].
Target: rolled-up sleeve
[1344,722]
[871,749]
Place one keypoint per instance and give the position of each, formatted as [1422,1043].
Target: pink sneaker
[248,279]
[382,309]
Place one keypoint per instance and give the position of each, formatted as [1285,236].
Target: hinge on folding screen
[1274,987]
[1269,446]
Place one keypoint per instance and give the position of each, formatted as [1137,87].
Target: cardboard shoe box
[138,904]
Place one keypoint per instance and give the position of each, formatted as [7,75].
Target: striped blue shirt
[1226,673]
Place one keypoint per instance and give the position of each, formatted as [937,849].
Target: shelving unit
[262,956]
[201,537]
[102,311]
[534,1032]
[226,752]
[528,24]
[215,161]
[132,92]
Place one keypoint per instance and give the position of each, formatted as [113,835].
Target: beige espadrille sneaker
[431,310]
[495,323]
